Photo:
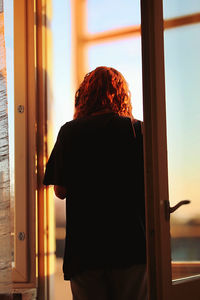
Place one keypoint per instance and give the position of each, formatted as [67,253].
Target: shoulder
[65,131]
[136,123]
[68,127]
[69,124]
[138,127]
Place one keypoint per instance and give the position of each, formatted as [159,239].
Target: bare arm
[60,191]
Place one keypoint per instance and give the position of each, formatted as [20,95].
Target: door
[171,129]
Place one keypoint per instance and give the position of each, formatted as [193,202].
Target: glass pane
[182,65]
[176,8]
[114,13]
[60,110]
[125,56]
[8,21]
[61,94]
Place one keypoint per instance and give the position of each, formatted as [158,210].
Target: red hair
[103,89]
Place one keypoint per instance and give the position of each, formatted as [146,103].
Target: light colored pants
[116,284]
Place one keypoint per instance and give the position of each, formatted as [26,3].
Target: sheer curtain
[5,246]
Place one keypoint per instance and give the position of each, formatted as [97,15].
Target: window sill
[24,294]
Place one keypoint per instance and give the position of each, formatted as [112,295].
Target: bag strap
[137,128]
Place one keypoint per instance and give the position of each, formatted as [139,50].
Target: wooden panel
[79,57]
[185,269]
[41,147]
[182,21]
[24,273]
[20,98]
[186,289]
[45,204]
[155,146]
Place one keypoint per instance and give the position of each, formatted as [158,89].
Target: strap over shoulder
[137,127]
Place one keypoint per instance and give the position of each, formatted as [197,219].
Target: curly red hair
[103,89]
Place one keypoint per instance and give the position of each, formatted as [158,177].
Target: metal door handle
[169,209]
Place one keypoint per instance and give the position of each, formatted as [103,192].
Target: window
[156,113]
[182,109]
[115,42]
[118,14]
[19,40]
[173,9]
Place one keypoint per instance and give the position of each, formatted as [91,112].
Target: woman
[97,165]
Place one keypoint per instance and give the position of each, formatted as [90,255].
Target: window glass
[125,56]
[177,8]
[182,66]
[60,109]
[106,15]
[61,96]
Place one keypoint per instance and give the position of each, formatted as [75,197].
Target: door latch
[169,209]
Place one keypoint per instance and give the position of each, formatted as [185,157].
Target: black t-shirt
[99,159]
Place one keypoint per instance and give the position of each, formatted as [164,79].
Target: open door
[171,73]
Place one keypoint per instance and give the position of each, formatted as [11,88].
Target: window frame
[24,271]
[82,39]
[161,285]
[34,209]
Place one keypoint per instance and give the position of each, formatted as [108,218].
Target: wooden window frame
[160,281]
[24,271]
[34,208]
[81,39]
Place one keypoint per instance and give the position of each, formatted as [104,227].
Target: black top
[99,159]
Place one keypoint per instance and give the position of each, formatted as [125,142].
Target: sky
[97,55]
[124,55]
[182,73]
[118,13]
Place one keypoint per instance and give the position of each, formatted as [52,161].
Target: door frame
[155,154]
[160,282]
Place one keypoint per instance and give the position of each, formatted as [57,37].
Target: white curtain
[5,245]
